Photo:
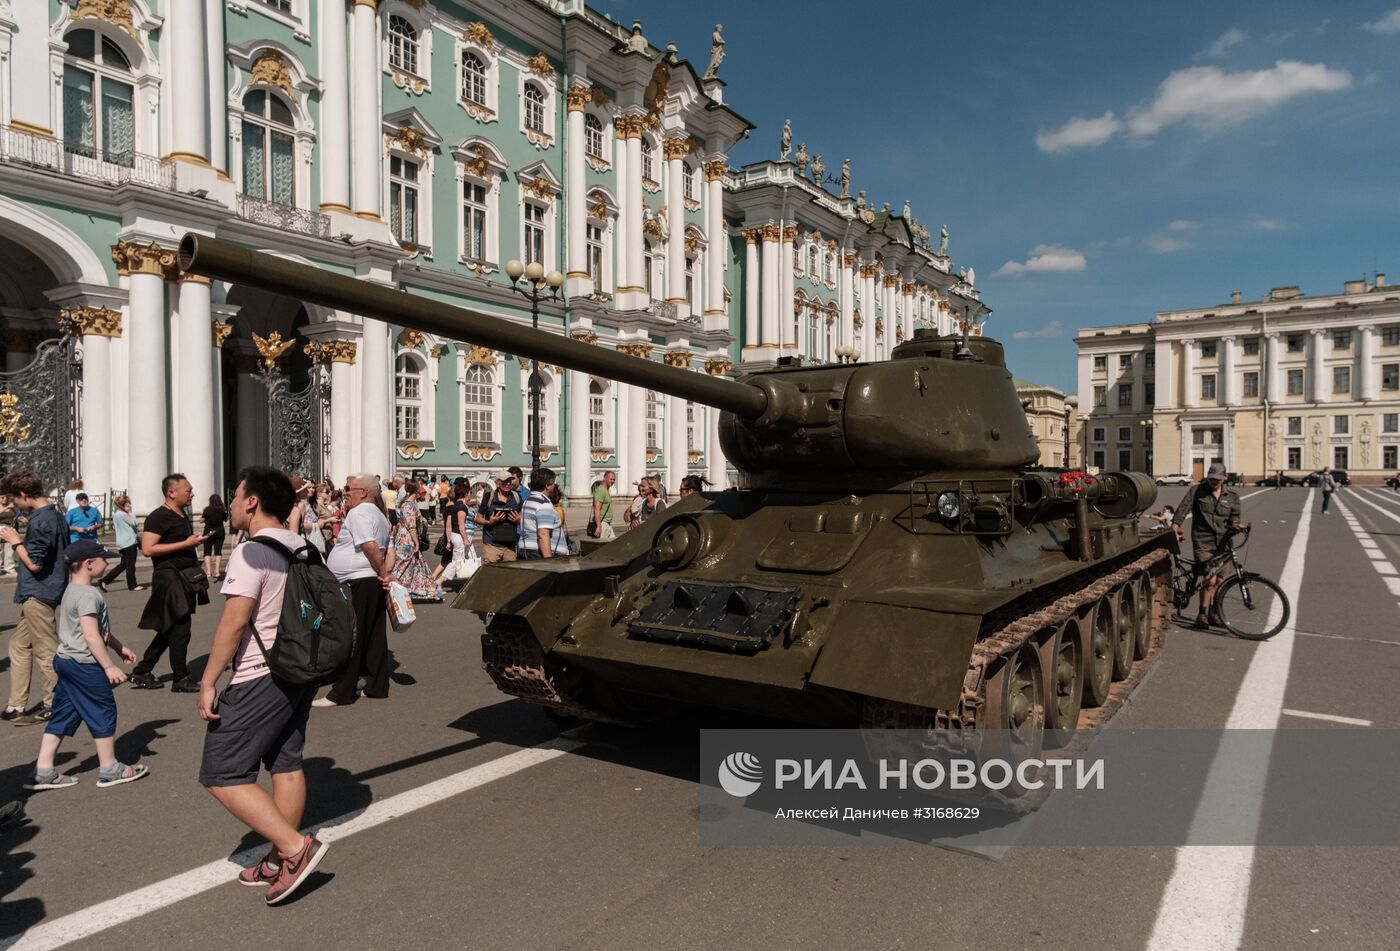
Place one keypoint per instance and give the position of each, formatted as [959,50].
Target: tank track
[515,660]
[1011,627]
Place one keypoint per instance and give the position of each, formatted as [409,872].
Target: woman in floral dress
[409,568]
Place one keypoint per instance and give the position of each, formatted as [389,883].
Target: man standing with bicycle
[1215,510]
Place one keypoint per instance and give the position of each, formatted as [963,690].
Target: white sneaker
[324,702]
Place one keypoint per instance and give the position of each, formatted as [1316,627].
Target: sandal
[56,781]
[123,774]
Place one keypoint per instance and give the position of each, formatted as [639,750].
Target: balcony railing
[84,161]
[283,217]
[667,311]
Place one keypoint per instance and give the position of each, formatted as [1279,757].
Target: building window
[534,233]
[1390,376]
[814,262]
[473,78]
[1125,361]
[597,415]
[830,269]
[1341,425]
[595,255]
[403,45]
[654,421]
[593,136]
[1208,386]
[1388,457]
[97,99]
[1208,436]
[648,266]
[1099,434]
[1125,460]
[1125,395]
[479,405]
[648,160]
[1208,349]
[1125,434]
[541,436]
[1341,457]
[1098,458]
[1295,457]
[690,280]
[403,199]
[688,176]
[1100,397]
[1101,362]
[474,212]
[1390,423]
[1296,343]
[1295,425]
[1251,384]
[1390,336]
[1149,360]
[1251,346]
[1295,382]
[534,108]
[690,442]
[269,171]
[1341,379]
[408,399]
[1341,340]
[1149,394]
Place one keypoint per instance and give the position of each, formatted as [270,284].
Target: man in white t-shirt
[259,719]
[363,562]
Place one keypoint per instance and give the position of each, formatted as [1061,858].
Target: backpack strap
[312,556]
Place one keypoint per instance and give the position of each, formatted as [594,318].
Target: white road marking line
[1349,637]
[1384,567]
[143,901]
[1203,906]
[1387,495]
[1367,502]
[1330,717]
[1394,585]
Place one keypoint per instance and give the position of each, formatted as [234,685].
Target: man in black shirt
[169,541]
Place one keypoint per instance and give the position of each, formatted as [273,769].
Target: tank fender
[898,653]
[547,597]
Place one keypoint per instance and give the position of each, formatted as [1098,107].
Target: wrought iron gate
[40,414]
[298,424]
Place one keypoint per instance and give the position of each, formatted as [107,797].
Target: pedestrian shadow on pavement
[331,793]
[498,723]
[133,746]
[16,917]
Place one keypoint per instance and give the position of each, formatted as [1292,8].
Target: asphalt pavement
[465,819]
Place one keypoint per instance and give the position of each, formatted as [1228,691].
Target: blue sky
[1094,162]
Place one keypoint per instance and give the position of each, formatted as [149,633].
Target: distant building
[1049,414]
[1288,382]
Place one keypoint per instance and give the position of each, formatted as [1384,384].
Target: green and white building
[420,145]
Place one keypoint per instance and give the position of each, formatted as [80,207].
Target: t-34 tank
[893,556]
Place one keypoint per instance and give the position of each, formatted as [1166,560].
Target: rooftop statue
[943,242]
[818,170]
[845,178]
[716,52]
[801,157]
[786,141]
[636,42]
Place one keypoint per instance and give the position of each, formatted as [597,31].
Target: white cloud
[1164,243]
[1268,224]
[1050,258]
[1050,329]
[1225,42]
[1183,224]
[1210,97]
[1390,23]
[1079,133]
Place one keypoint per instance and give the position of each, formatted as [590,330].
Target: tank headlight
[948,505]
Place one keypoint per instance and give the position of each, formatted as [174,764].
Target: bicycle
[1250,606]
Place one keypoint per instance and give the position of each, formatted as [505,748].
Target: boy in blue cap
[86,674]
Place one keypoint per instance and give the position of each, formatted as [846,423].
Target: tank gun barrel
[216,258]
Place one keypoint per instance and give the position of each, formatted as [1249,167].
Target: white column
[675,150]
[867,311]
[772,287]
[1226,394]
[1139,381]
[888,288]
[677,445]
[580,459]
[376,397]
[192,397]
[366,124]
[717,250]
[636,462]
[622,407]
[1190,389]
[752,295]
[340,355]
[714,457]
[333,153]
[1273,377]
[1317,389]
[846,288]
[636,276]
[249,443]
[145,329]
[216,62]
[1366,387]
[98,400]
[189,80]
[788,290]
[622,242]
[579,281]
[906,291]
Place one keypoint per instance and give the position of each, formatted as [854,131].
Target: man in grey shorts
[259,720]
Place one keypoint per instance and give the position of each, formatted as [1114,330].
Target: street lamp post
[534,291]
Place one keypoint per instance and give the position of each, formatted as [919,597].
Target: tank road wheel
[1125,630]
[1062,657]
[1098,655]
[1142,640]
[1015,709]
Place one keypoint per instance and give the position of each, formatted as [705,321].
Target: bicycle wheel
[1252,607]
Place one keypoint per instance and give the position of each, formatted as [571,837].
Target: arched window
[408,398]
[473,78]
[655,418]
[830,266]
[475,214]
[478,405]
[597,415]
[534,108]
[593,136]
[797,254]
[97,99]
[648,160]
[403,45]
[813,263]
[594,238]
[545,401]
[269,171]
[689,181]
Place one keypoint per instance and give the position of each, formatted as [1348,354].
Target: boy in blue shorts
[86,675]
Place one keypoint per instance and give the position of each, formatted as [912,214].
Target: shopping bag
[401,612]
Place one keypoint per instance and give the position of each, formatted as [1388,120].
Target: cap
[1216,471]
[85,548]
[505,475]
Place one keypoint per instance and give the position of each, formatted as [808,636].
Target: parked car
[1272,480]
[1394,481]
[1234,478]
[1175,479]
[1313,478]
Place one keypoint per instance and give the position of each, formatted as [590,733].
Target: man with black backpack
[261,716]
